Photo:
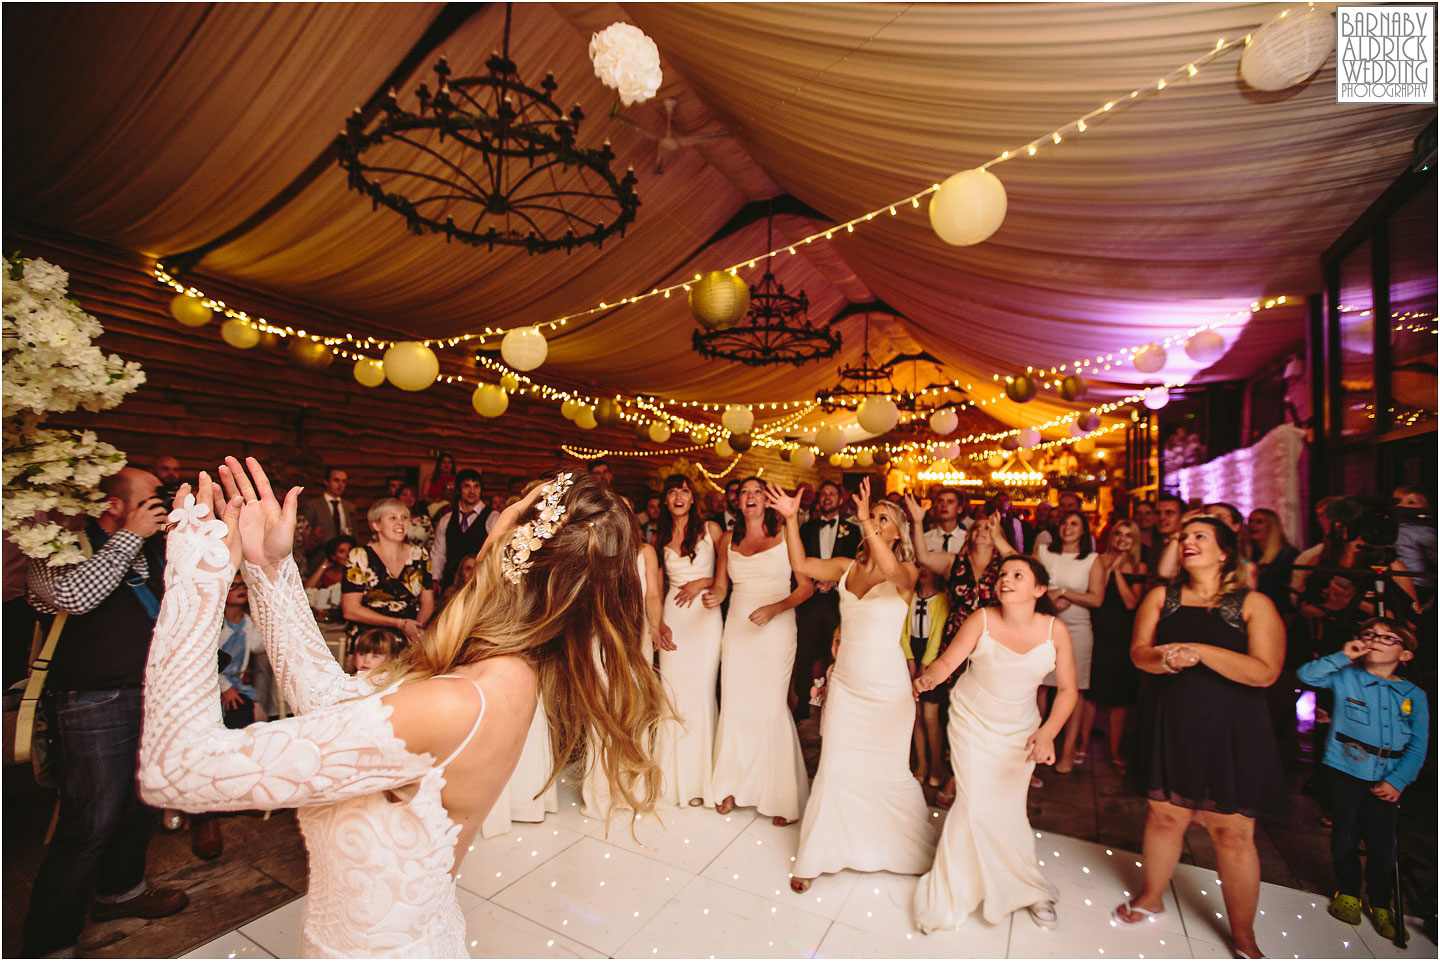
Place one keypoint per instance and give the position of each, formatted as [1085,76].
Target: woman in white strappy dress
[384,823]
[987,850]
[866,812]
[757,751]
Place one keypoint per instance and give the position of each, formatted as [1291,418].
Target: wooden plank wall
[203,399]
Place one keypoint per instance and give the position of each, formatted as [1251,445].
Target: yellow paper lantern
[369,372]
[585,419]
[1021,388]
[1073,387]
[659,431]
[1085,445]
[968,207]
[877,414]
[510,383]
[410,365]
[608,412]
[568,409]
[723,449]
[189,310]
[268,340]
[309,354]
[865,458]
[699,436]
[996,460]
[834,460]
[719,300]
[489,400]
[829,439]
[239,334]
[803,458]
[738,419]
[524,348]
[846,461]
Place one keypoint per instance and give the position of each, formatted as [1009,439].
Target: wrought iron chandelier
[489,160]
[869,379]
[776,329]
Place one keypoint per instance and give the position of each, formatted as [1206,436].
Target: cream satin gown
[522,799]
[686,747]
[757,751]
[866,812]
[987,849]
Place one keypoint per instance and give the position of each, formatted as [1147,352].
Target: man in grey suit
[329,515]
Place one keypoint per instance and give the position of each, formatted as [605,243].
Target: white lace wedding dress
[380,870]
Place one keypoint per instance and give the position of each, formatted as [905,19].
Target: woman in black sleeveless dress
[1114,681]
[1205,742]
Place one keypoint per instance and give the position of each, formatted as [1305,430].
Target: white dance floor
[713,886]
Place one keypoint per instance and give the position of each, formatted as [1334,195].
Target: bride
[386,770]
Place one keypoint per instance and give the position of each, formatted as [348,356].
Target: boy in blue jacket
[1376,748]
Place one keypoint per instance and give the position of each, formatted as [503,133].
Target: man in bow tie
[824,535]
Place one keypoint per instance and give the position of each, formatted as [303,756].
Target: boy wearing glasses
[1375,750]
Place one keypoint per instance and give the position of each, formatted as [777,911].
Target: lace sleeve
[191,761]
[304,667]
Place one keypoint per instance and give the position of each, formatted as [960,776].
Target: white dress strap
[475,727]
[1049,632]
[984,621]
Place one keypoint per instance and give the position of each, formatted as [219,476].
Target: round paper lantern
[1084,445]
[1075,429]
[865,458]
[737,419]
[269,341]
[944,421]
[607,412]
[996,460]
[410,365]
[829,439]
[489,400]
[803,458]
[723,449]
[1021,388]
[719,300]
[369,372]
[949,452]
[568,409]
[699,435]
[585,418]
[239,334]
[877,414]
[1089,421]
[1029,437]
[309,354]
[524,348]
[189,310]
[659,431]
[846,461]
[1010,442]
[1073,387]
[1150,359]
[1156,398]
[968,207]
[1205,347]
[834,460]
[1289,49]
[510,383]
[641,429]
[740,443]
[882,457]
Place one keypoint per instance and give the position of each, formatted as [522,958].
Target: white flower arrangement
[626,61]
[50,365]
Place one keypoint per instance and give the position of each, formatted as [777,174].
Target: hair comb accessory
[532,535]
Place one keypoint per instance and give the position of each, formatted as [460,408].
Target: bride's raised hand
[785,504]
[228,512]
[267,527]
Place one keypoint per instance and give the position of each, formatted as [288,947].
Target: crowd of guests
[948,645]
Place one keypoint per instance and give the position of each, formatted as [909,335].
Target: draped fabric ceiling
[159,128]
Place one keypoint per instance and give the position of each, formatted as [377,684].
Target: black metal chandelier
[776,330]
[867,378]
[489,160]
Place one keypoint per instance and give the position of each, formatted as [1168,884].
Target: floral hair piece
[532,535]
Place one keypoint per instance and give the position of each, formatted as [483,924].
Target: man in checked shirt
[92,702]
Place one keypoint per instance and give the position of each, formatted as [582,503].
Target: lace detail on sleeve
[190,761]
[304,667]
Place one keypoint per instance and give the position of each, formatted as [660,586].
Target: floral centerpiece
[51,366]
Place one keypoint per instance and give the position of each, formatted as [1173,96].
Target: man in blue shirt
[1380,726]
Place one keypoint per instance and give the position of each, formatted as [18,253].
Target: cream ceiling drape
[158,128]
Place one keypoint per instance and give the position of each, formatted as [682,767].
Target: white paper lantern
[239,334]
[829,439]
[524,348]
[723,449]
[877,414]
[1289,49]
[948,452]
[1156,398]
[1084,445]
[944,421]
[585,418]
[1205,347]
[190,311]
[699,436]
[369,372]
[738,419]
[865,458]
[659,431]
[803,458]
[1075,429]
[1150,359]
[1029,437]
[410,365]
[968,207]
[489,400]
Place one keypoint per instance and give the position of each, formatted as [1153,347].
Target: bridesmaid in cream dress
[531,794]
[866,812]
[987,850]
[757,752]
[690,664]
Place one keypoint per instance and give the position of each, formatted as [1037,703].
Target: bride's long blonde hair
[578,617]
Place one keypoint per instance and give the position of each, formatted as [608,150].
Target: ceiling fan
[667,144]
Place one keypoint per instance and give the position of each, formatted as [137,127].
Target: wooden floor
[263,865]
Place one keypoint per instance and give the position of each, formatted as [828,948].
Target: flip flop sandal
[1118,915]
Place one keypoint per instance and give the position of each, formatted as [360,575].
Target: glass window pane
[1412,310]
[1357,344]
